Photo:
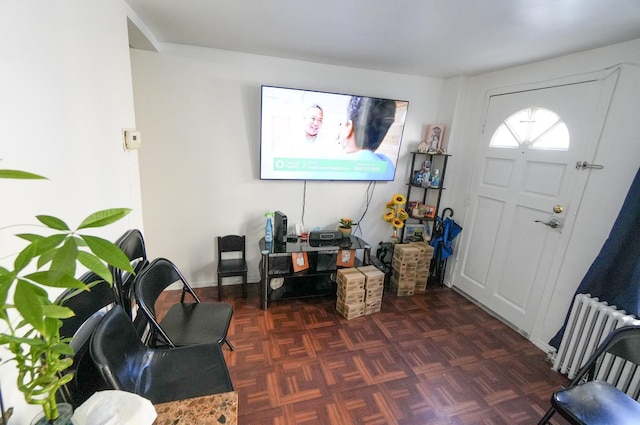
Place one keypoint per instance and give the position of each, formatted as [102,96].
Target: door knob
[553,223]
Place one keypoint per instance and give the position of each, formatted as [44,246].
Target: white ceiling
[438,38]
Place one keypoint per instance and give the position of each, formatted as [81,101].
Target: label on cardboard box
[350,275]
[350,311]
[351,297]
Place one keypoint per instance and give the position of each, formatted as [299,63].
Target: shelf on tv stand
[317,280]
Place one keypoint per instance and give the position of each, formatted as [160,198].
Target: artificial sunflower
[399,199]
[397,223]
[396,214]
[389,216]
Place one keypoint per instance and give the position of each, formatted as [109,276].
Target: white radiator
[590,321]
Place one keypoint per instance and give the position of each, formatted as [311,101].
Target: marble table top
[213,409]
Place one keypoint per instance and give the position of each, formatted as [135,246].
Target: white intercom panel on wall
[132,139]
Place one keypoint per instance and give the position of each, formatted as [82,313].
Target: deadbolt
[558,209]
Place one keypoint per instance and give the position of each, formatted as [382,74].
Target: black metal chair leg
[547,416]
[231,347]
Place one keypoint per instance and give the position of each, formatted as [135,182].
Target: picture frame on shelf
[434,138]
[346,258]
[429,211]
[416,233]
[300,261]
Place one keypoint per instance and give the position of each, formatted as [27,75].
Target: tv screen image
[313,135]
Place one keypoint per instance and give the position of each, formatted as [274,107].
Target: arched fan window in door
[532,128]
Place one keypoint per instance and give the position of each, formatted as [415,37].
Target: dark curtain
[614,276]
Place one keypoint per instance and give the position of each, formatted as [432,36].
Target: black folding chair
[85,303]
[159,375]
[185,323]
[87,379]
[89,306]
[604,390]
[133,246]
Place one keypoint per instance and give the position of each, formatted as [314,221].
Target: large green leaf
[28,302]
[56,279]
[39,247]
[53,222]
[48,243]
[108,252]
[29,236]
[34,342]
[63,349]
[6,278]
[22,175]
[25,256]
[65,257]
[5,285]
[104,217]
[57,311]
[45,258]
[40,292]
[94,264]
[52,324]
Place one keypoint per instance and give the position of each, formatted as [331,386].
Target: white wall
[618,151]
[65,85]
[198,110]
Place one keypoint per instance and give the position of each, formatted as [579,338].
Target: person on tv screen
[307,140]
[367,122]
[313,122]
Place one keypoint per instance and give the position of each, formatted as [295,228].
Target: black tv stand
[279,282]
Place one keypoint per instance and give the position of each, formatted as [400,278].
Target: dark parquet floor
[433,358]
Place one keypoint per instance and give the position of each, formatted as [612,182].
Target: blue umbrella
[450,229]
[444,232]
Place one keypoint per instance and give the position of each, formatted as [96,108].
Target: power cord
[304,201]
[368,196]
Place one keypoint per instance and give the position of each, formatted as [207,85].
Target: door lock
[558,209]
[553,223]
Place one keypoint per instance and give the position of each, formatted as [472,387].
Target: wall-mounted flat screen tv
[313,135]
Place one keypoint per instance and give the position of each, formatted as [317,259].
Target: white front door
[508,250]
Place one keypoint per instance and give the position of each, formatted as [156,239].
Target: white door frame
[569,221]
[610,78]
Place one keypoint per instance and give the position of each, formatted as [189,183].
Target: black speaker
[324,235]
[279,227]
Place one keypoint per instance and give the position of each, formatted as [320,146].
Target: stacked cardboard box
[351,293]
[404,265]
[373,288]
[424,261]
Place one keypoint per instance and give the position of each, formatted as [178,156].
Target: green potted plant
[346,226]
[32,319]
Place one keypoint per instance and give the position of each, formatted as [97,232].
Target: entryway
[526,193]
